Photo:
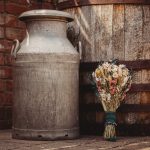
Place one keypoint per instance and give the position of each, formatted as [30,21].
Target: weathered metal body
[46,79]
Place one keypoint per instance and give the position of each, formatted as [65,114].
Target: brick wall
[11,28]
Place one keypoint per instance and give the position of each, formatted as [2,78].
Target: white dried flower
[97,79]
[125,72]
[106,65]
[108,97]
[120,72]
[115,75]
[93,74]
[125,81]
[103,96]
[122,66]
[114,68]
[103,81]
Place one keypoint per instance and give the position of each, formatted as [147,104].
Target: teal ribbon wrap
[111,118]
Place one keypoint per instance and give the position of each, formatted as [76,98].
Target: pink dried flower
[112,91]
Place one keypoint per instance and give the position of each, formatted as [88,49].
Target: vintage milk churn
[46,76]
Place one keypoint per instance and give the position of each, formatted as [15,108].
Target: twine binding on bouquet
[110,125]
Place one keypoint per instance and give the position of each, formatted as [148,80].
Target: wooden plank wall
[119,31]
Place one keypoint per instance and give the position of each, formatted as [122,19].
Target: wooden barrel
[111,29]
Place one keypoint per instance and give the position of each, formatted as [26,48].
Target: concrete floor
[84,143]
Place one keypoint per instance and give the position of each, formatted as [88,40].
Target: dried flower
[113,82]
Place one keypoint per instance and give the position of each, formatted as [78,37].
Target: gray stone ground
[84,143]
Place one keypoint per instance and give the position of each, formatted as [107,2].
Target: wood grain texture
[106,32]
[146,42]
[117,31]
[133,40]
[86,33]
[64,4]
[133,50]
[95,32]
[145,96]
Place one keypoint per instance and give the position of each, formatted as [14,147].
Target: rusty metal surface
[45,82]
[79,3]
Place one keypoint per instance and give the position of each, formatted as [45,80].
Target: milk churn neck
[48,14]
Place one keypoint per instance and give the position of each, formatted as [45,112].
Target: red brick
[8,59]
[14,33]
[50,1]
[8,98]
[6,85]
[47,6]
[2,113]
[1,32]
[22,2]
[2,98]
[35,6]
[9,85]
[2,48]
[8,112]
[5,73]
[12,21]
[2,85]
[2,59]
[44,5]
[2,6]
[2,19]
[5,124]
[14,8]
[35,1]
[5,45]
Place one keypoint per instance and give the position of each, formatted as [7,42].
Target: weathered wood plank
[97,25]
[64,4]
[145,96]
[133,32]
[133,50]
[133,41]
[96,32]
[146,42]
[85,31]
[123,108]
[133,65]
[106,32]
[118,32]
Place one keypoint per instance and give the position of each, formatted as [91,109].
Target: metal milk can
[46,79]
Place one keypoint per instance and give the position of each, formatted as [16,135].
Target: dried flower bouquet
[113,82]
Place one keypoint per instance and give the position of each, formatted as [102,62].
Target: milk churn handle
[80,49]
[15,48]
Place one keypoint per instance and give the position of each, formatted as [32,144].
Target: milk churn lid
[44,13]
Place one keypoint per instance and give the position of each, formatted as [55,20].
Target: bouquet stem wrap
[110,124]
